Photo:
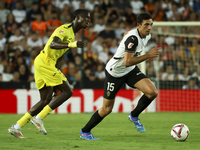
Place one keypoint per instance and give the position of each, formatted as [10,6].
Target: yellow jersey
[45,71]
[66,34]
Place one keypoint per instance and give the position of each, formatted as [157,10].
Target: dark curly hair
[80,12]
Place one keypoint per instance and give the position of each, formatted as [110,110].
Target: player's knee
[107,110]
[153,94]
[70,92]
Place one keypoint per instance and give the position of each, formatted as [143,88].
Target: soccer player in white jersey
[122,68]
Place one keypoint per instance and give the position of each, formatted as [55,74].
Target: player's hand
[154,52]
[80,44]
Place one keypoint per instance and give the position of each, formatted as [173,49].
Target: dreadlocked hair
[80,12]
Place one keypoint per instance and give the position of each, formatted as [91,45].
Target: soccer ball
[180,132]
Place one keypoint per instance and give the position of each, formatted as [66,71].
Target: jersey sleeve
[131,43]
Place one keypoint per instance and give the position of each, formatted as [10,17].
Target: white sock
[17,126]
[38,118]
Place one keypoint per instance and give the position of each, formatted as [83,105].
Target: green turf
[116,132]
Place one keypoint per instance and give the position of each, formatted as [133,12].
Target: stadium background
[25,27]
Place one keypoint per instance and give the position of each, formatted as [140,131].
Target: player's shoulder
[132,34]
[131,37]
[65,27]
[133,31]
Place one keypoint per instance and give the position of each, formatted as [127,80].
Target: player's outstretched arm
[57,44]
[130,59]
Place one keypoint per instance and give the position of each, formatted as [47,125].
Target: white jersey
[131,42]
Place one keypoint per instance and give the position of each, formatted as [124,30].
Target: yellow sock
[24,120]
[46,110]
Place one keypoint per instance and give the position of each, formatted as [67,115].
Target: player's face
[145,27]
[85,20]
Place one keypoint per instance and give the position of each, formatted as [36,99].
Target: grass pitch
[116,132]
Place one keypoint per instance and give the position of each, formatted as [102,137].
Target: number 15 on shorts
[110,86]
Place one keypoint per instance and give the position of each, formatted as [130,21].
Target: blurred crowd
[26,25]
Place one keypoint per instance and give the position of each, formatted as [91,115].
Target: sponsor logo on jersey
[61,31]
[130,45]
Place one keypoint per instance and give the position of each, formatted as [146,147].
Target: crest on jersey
[61,31]
[108,93]
[130,45]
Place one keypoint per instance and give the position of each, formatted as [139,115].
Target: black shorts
[112,84]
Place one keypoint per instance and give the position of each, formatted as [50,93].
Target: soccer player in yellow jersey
[48,78]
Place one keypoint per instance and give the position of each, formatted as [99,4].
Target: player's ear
[79,18]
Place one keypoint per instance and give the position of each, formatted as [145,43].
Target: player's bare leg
[46,96]
[150,93]
[97,117]
[147,87]
[66,93]
[106,108]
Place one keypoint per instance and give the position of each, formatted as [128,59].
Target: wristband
[73,44]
